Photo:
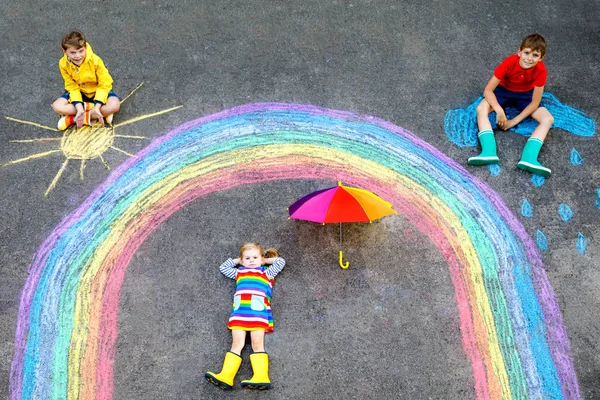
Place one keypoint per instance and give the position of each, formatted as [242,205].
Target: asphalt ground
[388,326]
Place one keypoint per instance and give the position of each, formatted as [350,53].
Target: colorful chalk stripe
[511,326]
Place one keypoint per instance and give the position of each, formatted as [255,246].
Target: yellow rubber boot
[260,368]
[224,379]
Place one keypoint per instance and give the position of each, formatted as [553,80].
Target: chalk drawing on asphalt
[83,144]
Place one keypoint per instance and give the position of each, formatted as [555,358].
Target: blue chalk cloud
[460,125]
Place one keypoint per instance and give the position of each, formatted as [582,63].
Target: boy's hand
[79,116]
[509,124]
[95,113]
[237,261]
[500,118]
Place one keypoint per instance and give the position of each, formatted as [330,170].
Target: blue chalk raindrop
[526,209]
[581,243]
[565,212]
[494,169]
[541,240]
[576,158]
[537,180]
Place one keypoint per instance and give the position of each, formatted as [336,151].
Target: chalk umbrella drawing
[85,143]
[511,326]
[340,204]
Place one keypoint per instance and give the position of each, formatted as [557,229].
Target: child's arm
[534,105]
[228,268]
[105,82]
[71,86]
[490,97]
[273,270]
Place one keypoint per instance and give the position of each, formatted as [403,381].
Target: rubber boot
[224,379]
[529,157]
[260,368]
[488,149]
[65,121]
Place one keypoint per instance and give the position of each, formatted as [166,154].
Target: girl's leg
[238,340]
[258,341]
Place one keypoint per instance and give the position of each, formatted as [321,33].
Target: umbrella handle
[346,265]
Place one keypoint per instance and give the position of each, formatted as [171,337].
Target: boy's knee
[546,116]
[483,107]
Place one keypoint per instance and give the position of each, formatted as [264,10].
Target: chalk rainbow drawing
[511,326]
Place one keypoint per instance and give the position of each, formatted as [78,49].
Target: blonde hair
[270,253]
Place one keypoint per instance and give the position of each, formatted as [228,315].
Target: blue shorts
[87,99]
[508,98]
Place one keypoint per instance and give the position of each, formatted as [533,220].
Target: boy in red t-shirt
[518,82]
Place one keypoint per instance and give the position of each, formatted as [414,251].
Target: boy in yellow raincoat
[88,84]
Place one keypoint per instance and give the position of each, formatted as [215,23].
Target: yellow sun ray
[131,137]
[104,162]
[32,123]
[81,168]
[122,151]
[132,92]
[46,139]
[86,143]
[55,180]
[31,157]
[141,117]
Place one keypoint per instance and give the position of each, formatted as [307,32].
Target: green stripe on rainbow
[511,326]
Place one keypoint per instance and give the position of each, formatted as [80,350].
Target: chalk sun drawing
[511,327]
[85,143]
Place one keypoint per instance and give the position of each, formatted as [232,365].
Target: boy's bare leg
[485,136]
[545,120]
[483,110]
[112,106]
[63,107]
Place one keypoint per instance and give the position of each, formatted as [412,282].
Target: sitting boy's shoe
[488,149]
[529,157]
[109,119]
[535,168]
[65,121]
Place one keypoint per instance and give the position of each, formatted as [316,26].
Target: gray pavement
[406,62]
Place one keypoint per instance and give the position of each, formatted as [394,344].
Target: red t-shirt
[513,77]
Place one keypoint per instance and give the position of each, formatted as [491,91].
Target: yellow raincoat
[90,78]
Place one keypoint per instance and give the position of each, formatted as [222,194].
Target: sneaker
[65,121]
[109,119]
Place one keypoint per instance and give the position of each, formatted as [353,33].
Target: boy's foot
[109,119]
[534,167]
[95,114]
[65,121]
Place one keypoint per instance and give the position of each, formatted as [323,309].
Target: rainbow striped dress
[251,308]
